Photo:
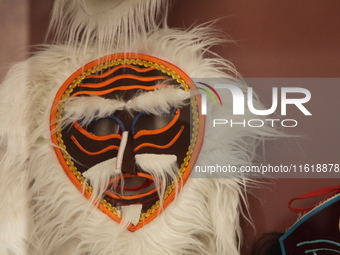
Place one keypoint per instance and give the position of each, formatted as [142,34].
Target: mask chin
[94,7]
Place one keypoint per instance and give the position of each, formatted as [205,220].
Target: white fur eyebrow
[89,108]
[155,102]
[161,100]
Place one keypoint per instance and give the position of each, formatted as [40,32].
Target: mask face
[316,233]
[126,131]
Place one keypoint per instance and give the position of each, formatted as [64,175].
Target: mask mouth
[131,187]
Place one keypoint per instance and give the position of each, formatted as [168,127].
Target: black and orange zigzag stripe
[123,76]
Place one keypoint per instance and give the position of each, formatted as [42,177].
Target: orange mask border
[193,151]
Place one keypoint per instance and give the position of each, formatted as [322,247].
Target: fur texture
[42,212]
[103,22]
[159,101]
[162,168]
[86,109]
[89,108]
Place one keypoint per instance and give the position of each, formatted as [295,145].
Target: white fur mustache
[162,167]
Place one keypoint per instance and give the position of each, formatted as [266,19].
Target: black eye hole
[145,121]
[106,126]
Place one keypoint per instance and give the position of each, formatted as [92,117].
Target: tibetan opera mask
[126,131]
[318,231]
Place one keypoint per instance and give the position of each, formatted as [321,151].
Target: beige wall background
[14,32]
[281,39]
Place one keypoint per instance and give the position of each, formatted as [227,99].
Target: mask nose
[126,156]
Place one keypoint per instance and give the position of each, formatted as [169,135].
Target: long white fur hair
[42,212]
[104,22]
